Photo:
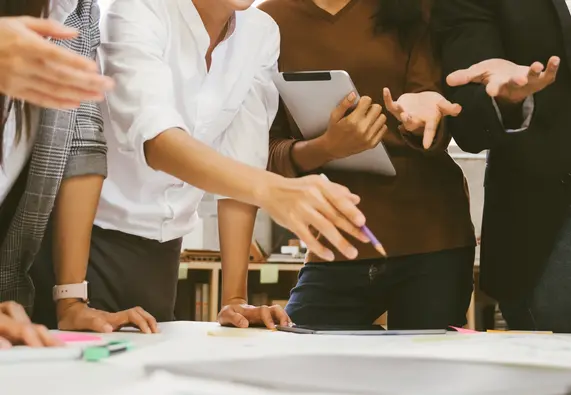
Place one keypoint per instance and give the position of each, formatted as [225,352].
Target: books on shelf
[201,302]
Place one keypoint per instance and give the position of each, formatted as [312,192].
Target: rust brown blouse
[425,208]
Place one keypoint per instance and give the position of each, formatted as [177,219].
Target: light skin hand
[421,113]
[17,329]
[506,81]
[76,315]
[37,71]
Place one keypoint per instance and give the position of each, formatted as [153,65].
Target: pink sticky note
[76,337]
[463,330]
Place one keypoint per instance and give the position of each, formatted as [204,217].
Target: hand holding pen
[374,241]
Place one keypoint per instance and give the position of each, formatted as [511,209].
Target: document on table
[168,384]
[369,375]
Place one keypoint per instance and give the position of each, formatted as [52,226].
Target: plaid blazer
[69,144]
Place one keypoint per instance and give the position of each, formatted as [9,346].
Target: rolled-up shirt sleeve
[247,138]
[527,113]
[142,105]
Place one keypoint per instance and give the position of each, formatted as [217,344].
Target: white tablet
[310,97]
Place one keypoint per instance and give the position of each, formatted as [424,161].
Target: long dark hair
[404,17]
[35,8]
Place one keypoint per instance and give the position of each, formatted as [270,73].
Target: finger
[150,319]
[449,109]
[534,72]
[355,199]
[16,312]
[266,317]
[340,111]
[362,108]
[430,129]
[46,51]
[550,74]
[4,343]
[341,222]
[280,316]
[229,317]
[63,91]
[327,227]
[98,322]
[496,84]
[375,111]
[461,77]
[72,78]
[302,231]
[49,28]
[377,126]
[393,107]
[30,337]
[379,136]
[45,101]
[340,202]
[135,318]
[46,338]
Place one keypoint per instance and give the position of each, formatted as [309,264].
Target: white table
[201,342]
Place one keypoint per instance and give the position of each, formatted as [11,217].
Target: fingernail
[556,62]
[329,256]
[4,345]
[360,220]
[107,328]
[352,96]
[351,253]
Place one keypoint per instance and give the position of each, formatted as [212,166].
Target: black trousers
[124,271]
[425,291]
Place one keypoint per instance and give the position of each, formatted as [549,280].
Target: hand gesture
[361,130]
[313,203]
[420,113]
[35,70]
[242,315]
[17,329]
[507,81]
[78,316]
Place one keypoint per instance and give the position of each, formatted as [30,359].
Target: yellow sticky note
[269,274]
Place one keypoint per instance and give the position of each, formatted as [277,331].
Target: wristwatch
[71,291]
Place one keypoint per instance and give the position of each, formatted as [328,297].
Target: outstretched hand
[507,81]
[421,113]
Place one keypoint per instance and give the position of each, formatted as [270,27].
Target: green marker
[97,353]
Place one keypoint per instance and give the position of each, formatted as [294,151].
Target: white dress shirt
[16,152]
[155,51]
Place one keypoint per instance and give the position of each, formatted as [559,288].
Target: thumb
[449,109]
[232,317]
[340,111]
[98,324]
[49,28]
[462,77]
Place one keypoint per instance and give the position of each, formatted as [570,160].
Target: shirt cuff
[527,109]
[150,126]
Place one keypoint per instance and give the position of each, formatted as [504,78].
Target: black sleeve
[466,33]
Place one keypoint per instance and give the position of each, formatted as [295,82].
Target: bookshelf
[209,273]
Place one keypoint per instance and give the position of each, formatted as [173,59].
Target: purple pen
[374,241]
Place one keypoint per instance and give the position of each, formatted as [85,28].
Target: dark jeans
[426,291]
[548,306]
[124,271]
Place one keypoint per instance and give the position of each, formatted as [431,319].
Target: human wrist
[64,305]
[326,148]
[264,191]
[234,301]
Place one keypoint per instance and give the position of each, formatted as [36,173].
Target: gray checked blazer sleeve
[88,149]
[69,143]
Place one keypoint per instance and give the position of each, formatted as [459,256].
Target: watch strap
[70,291]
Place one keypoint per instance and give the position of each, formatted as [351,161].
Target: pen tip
[381,250]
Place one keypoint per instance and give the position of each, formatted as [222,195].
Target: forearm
[176,153]
[236,226]
[73,218]
[311,154]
